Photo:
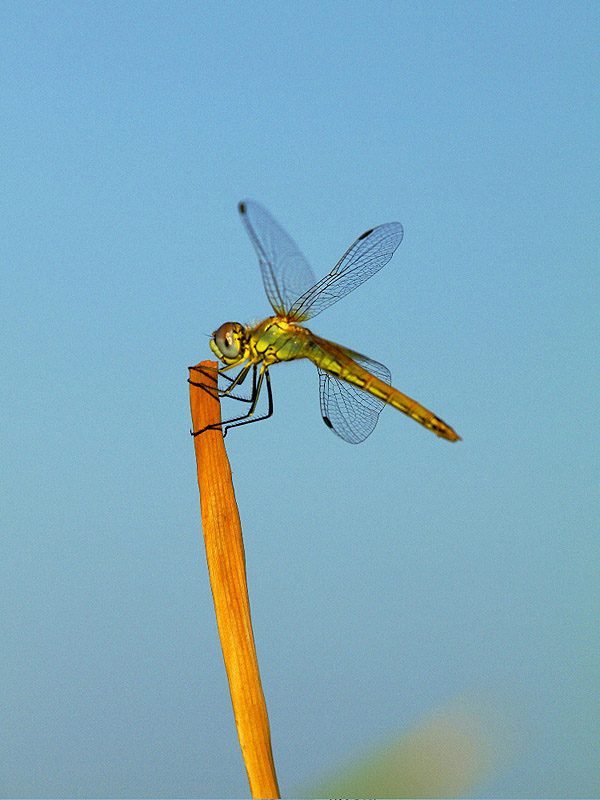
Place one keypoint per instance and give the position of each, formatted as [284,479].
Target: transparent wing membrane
[369,253]
[286,273]
[349,411]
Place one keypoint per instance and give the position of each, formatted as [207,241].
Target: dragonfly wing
[349,411]
[369,253]
[286,273]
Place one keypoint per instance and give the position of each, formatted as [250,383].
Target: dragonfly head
[229,343]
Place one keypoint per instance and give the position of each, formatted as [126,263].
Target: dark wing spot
[242,208]
[365,234]
[327,422]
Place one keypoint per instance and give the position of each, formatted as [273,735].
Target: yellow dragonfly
[353,388]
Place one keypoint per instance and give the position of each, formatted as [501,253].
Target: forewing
[286,273]
[349,411]
[369,253]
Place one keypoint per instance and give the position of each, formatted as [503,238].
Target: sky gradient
[387,578]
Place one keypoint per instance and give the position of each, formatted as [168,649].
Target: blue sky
[386,579]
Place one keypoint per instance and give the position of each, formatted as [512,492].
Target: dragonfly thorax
[278,339]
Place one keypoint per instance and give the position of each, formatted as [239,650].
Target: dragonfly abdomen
[343,367]
[422,415]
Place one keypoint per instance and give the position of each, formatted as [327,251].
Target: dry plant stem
[227,570]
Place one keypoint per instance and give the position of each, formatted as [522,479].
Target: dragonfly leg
[264,373]
[233,382]
[225,425]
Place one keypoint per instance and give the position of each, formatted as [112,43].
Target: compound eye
[227,341]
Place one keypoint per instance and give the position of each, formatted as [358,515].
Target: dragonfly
[353,388]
